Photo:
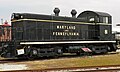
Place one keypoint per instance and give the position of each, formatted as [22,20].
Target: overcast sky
[7,7]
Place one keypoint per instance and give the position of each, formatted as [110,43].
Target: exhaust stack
[73,13]
[56,11]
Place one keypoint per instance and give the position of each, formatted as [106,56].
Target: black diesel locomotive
[36,35]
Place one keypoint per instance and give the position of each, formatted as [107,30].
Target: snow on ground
[10,67]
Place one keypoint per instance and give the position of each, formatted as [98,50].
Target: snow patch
[10,67]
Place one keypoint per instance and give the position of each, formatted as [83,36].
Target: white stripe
[67,42]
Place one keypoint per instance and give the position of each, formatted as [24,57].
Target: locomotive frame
[35,35]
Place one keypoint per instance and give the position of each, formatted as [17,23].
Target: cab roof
[95,13]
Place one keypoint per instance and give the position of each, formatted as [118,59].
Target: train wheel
[33,54]
[55,56]
[30,56]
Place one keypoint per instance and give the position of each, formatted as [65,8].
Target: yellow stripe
[59,21]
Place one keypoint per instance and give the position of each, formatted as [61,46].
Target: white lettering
[65,27]
[66,33]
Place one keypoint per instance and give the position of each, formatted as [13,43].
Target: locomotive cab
[95,17]
[102,29]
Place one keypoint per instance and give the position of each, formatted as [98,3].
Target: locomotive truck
[38,35]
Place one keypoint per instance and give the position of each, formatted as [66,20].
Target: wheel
[30,56]
[33,54]
[60,52]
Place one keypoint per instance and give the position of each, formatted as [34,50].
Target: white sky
[7,7]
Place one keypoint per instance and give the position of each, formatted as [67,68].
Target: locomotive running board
[68,42]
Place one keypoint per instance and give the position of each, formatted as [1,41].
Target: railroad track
[112,68]
[10,60]
[14,63]
[47,58]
